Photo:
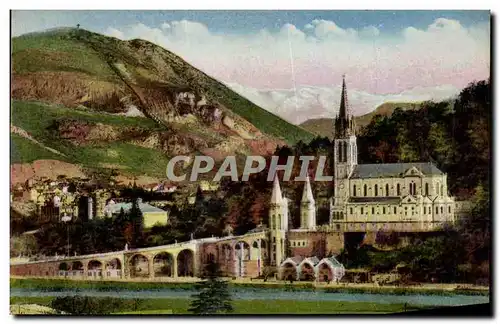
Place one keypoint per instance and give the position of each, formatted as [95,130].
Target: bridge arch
[77,268]
[63,266]
[94,268]
[139,266]
[114,264]
[185,263]
[242,250]
[77,265]
[163,264]
[226,252]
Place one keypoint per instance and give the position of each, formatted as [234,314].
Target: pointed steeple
[307,195]
[343,111]
[344,123]
[276,197]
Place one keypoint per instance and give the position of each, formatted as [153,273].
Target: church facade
[398,196]
[368,198]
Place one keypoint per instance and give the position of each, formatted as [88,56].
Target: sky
[271,53]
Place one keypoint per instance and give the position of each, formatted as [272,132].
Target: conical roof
[307,195]
[276,197]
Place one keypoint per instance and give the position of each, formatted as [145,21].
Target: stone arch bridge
[174,260]
[239,256]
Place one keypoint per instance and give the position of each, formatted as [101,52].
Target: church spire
[276,197]
[307,195]
[344,123]
[343,112]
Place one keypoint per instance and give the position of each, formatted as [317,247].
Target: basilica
[368,198]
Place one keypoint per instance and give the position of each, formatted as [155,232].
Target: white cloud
[289,30]
[328,29]
[321,102]
[114,33]
[445,52]
[369,31]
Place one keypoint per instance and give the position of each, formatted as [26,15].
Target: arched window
[376,190]
[278,225]
[395,210]
[373,210]
[345,152]
[442,190]
[426,189]
[449,209]
[354,191]
[437,210]
[442,210]
[365,191]
[398,187]
[362,210]
[339,151]
[387,189]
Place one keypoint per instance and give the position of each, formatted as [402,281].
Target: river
[265,294]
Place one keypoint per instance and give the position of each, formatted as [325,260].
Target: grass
[56,51]
[23,150]
[180,306]
[62,285]
[36,118]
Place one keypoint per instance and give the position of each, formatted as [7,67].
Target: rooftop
[145,208]
[391,170]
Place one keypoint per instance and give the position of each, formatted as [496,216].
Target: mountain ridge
[76,72]
[324,126]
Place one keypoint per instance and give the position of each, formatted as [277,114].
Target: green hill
[73,91]
[136,71]
[324,126]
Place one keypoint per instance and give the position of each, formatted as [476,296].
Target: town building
[151,215]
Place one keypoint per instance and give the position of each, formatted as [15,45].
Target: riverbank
[255,307]
[46,284]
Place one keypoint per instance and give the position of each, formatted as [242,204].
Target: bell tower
[345,147]
[345,158]
[278,224]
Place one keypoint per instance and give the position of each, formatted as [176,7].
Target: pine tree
[137,221]
[213,296]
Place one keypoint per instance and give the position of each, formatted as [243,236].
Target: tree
[213,296]
[137,222]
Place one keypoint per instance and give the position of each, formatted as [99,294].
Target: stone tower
[345,149]
[345,155]
[278,224]
[307,208]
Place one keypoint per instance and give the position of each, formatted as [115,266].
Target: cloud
[369,31]
[324,29]
[114,33]
[445,52]
[307,102]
